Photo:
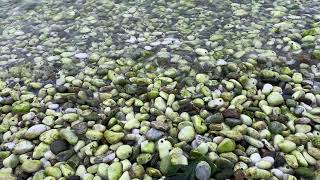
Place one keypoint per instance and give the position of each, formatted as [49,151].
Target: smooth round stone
[124,152]
[263,164]
[278,173]
[227,145]
[31,166]
[255,157]
[58,146]
[203,170]
[53,106]
[81,55]
[275,99]
[154,134]
[269,159]
[186,134]
[35,131]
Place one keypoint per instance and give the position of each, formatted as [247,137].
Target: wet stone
[231,113]
[58,146]
[154,134]
[80,128]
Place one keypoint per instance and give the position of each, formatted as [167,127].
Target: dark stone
[91,117]
[136,109]
[305,172]
[305,100]
[231,113]
[223,163]
[73,161]
[265,152]
[279,160]
[74,178]
[232,122]
[58,146]
[92,102]
[215,118]
[80,128]
[279,117]
[239,175]
[275,127]
[62,89]
[244,143]
[65,155]
[224,174]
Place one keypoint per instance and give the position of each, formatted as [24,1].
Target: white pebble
[70,110]
[255,157]
[267,88]
[217,139]
[269,159]
[81,55]
[53,106]
[148,48]
[132,40]
[277,173]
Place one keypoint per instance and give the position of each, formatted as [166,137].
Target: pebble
[255,157]
[58,146]
[154,134]
[187,134]
[203,170]
[81,55]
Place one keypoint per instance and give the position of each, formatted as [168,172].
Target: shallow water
[162,63]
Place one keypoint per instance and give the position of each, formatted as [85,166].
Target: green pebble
[144,158]
[69,136]
[316,142]
[103,170]
[113,137]
[287,146]
[202,78]
[186,134]
[53,171]
[66,170]
[291,160]
[40,150]
[70,117]
[31,166]
[11,161]
[226,145]
[275,99]
[124,152]
[256,173]
[115,171]
[94,135]
[160,104]
[153,172]
[316,54]
[147,147]
[22,107]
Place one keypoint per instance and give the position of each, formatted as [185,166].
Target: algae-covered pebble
[115,171]
[23,107]
[53,171]
[113,137]
[256,173]
[287,146]
[275,99]
[31,166]
[186,134]
[124,151]
[227,145]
